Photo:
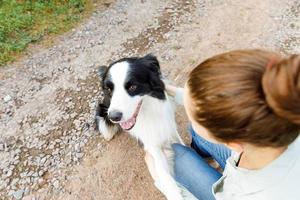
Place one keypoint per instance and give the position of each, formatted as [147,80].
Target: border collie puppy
[135,101]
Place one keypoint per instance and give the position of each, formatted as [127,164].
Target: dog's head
[125,83]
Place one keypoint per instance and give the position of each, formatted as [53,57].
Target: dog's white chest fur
[155,123]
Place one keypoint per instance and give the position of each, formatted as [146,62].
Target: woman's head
[250,96]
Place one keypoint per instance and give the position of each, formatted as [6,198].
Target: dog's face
[125,82]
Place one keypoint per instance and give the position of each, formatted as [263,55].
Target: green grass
[26,21]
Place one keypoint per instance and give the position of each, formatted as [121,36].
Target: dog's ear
[158,86]
[102,71]
[151,61]
[155,77]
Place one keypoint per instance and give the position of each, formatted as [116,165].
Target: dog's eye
[132,88]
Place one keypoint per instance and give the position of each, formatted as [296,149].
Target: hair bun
[281,85]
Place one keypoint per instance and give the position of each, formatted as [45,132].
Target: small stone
[68,99]
[11,192]
[75,159]
[35,174]
[7,98]
[43,160]
[68,161]
[81,144]
[41,180]
[56,184]
[18,194]
[23,174]
[28,180]
[77,148]
[58,140]
[30,173]
[41,173]
[9,173]
[2,147]
[79,155]
[73,115]
[17,158]
[47,163]
[17,151]
[27,190]
[14,181]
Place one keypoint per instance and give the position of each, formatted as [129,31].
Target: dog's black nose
[115,116]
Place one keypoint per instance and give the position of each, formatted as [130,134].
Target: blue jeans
[192,171]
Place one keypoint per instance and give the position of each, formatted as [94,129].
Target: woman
[244,108]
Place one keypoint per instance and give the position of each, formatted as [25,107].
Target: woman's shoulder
[276,181]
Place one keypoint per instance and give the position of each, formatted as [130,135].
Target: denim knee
[192,172]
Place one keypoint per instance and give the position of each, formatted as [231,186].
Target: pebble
[68,99]
[56,184]
[79,155]
[7,98]
[77,148]
[18,194]
[41,180]
[14,181]
[43,160]
[41,173]
[51,146]
[9,173]
[35,174]
[2,147]
[30,173]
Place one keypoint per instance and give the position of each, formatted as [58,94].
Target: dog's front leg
[106,130]
[104,126]
[162,176]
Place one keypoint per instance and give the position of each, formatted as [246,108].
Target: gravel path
[48,148]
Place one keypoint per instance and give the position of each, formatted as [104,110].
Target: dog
[135,101]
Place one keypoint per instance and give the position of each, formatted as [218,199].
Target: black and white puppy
[135,101]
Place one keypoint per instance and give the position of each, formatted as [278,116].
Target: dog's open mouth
[129,124]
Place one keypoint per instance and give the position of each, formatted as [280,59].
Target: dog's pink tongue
[128,124]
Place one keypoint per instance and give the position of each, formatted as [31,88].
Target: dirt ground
[48,148]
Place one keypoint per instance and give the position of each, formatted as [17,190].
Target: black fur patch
[144,76]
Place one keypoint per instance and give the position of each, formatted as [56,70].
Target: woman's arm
[176,92]
[171,90]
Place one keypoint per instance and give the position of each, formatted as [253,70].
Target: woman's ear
[235,146]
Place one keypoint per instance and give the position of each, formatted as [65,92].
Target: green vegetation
[26,21]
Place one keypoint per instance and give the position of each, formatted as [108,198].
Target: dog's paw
[175,197]
[170,195]
[108,137]
[174,194]
[104,128]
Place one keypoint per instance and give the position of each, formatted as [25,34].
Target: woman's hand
[176,92]
[170,89]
